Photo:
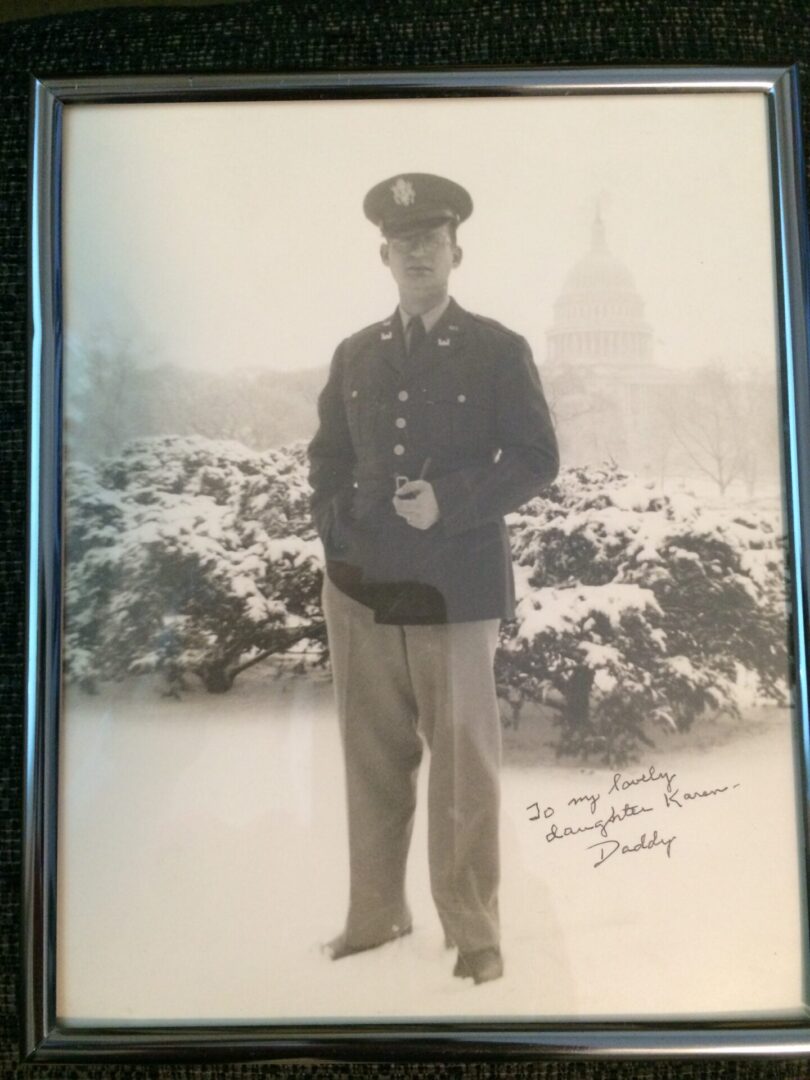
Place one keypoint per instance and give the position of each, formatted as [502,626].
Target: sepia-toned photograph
[427,648]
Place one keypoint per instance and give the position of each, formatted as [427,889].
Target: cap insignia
[403,192]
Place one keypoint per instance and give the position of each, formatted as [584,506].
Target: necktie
[416,335]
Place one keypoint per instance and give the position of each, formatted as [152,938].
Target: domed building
[605,389]
[599,316]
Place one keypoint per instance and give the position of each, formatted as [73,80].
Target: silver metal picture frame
[639,239]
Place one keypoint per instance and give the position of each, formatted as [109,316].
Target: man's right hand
[416,502]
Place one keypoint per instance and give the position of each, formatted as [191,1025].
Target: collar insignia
[444,340]
[386,337]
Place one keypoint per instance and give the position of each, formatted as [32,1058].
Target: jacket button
[462,398]
[399,449]
[403,395]
[400,421]
[354,393]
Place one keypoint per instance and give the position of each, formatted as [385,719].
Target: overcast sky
[220,235]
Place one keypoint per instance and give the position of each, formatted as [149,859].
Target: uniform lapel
[392,342]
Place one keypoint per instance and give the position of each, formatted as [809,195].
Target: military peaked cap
[414,200]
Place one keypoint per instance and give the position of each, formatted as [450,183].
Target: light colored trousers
[391,684]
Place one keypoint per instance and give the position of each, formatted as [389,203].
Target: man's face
[421,260]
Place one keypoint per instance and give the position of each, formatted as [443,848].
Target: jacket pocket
[363,407]
[457,417]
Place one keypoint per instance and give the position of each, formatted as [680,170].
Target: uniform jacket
[470,405]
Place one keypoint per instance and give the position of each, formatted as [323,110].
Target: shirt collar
[429,318]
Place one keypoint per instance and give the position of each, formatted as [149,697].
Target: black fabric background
[278,36]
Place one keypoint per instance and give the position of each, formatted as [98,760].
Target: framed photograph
[417,659]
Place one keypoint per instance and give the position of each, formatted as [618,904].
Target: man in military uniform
[433,425]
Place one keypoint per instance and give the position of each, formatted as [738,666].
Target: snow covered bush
[639,609]
[187,557]
[196,558]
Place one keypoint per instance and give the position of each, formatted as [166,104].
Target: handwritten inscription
[602,825]
[651,776]
[653,791]
[608,848]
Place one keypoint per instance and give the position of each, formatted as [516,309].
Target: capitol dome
[599,315]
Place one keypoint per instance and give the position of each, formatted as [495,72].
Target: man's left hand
[416,502]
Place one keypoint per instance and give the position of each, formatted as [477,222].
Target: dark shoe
[483,965]
[340,947]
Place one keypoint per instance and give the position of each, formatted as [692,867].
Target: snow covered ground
[202,863]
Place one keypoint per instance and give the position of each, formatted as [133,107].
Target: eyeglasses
[428,241]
